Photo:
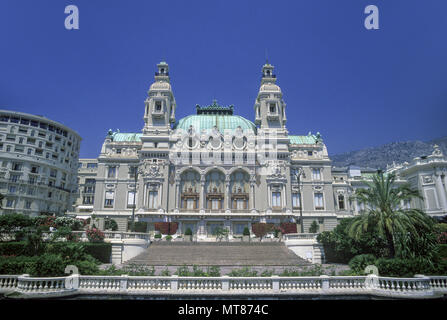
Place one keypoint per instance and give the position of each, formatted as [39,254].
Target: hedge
[140,226]
[443,251]
[17,265]
[14,248]
[99,250]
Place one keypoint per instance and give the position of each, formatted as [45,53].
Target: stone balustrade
[417,287]
[118,235]
[438,283]
[300,236]
[34,285]
[8,283]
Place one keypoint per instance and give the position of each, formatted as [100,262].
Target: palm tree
[384,197]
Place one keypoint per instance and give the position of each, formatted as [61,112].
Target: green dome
[208,121]
[215,115]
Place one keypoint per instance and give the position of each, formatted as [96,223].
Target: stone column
[441,192]
[252,196]
[227,197]
[202,195]
[283,196]
[177,195]
[444,180]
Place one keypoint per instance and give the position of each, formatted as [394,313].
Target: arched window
[341,202]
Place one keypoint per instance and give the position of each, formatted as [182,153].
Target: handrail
[419,286]
[294,236]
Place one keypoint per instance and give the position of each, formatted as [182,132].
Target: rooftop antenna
[266,57]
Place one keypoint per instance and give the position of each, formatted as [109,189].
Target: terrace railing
[417,287]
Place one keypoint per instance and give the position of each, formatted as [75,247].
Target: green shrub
[267,273]
[72,223]
[443,251]
[16,265]
[70,251]
[48,265]
[315,270]
[409,267]
[339,247]
[314,227]
[16,248]
[110,224]
[213,271]
[157,236]
[246,231]
[188,232]
[138,270]
[183,271]
[140,226]
[34,242]
[62,232]
[101,251]
[168,238]
[95,235]
[15,224]
[87,267]
[441,227]
[243,272]
[165,273]
[361,261]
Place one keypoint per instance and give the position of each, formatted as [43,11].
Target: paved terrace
[218,253]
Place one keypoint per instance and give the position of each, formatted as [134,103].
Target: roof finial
[266,57]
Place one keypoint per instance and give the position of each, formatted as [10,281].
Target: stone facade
[38,159]
[428,174]
[216,169]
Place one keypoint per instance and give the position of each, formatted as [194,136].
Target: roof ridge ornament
[215,108]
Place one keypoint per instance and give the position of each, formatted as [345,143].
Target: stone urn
[188,238]
[245,238]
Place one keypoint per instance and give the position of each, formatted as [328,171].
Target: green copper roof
[215,108]
[309,139]
[208,121]
[214,115]
[125,137]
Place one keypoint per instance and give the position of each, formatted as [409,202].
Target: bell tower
[269,106]
[160,104]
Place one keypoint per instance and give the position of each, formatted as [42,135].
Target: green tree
[385,214]
[314,227]
[221,233]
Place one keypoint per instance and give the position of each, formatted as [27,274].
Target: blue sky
[358,87]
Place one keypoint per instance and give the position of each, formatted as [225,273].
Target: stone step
[218,253]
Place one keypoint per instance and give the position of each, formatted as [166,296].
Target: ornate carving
[151,170]
[436,151]
[427,179]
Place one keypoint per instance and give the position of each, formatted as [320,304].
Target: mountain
[379,157]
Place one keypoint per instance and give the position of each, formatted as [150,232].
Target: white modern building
[38,164]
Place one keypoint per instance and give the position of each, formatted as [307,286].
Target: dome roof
[221,121]
[270,87]
[160,85]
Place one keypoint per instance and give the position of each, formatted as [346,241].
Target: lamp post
[298,174]
[136,171]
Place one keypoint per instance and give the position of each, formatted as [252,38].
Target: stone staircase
[218,253]
[117,253]
[122,224]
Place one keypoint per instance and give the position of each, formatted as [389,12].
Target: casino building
[217,169]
